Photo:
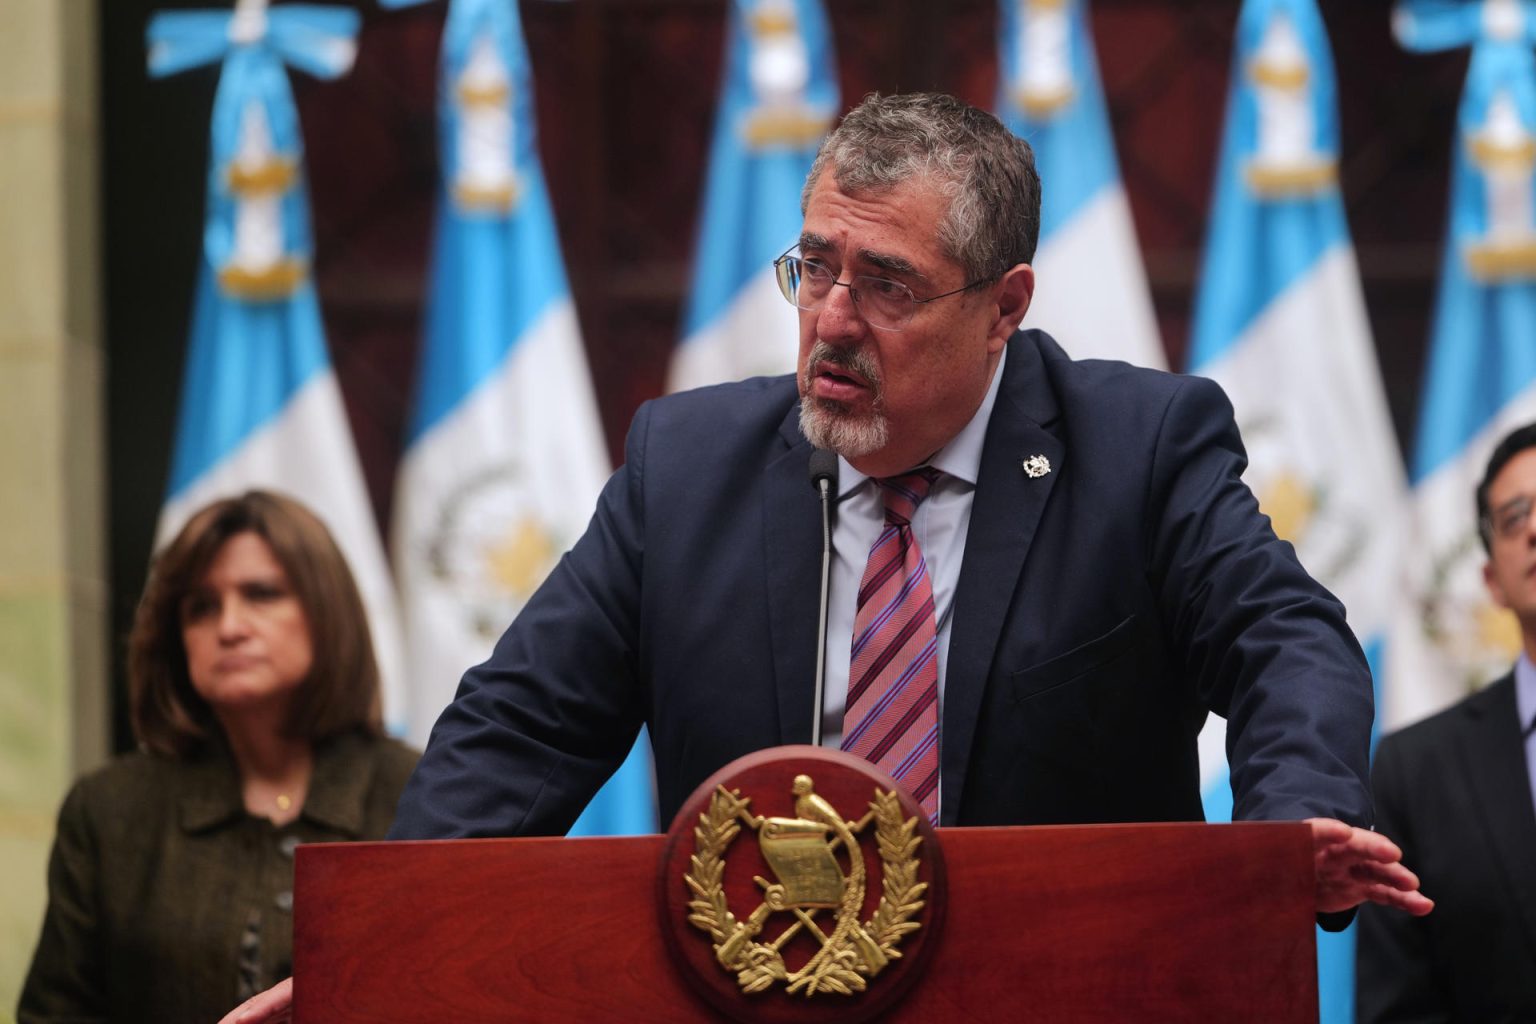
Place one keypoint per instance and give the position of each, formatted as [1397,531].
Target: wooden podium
[1091,923]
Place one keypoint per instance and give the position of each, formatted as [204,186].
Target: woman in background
[255,700]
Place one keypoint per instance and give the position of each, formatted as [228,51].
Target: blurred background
[103,174]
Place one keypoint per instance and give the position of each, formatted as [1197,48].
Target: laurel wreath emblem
[852,952]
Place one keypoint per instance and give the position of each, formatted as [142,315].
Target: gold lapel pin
[1036,466]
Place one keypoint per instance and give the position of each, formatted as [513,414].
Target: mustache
[858,360]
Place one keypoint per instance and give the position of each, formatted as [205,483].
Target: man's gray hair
[987,172]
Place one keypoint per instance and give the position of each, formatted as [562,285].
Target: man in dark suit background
[1086,575]
[1458,791]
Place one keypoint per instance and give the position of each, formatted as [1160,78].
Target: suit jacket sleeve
[1264,644]
[534,732]
[1395,976]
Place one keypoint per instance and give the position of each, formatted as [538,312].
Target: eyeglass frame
[789,254]
[1506,521]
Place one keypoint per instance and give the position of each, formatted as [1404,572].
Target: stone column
[53,594]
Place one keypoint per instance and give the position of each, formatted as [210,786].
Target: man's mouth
[837,384]
[840,375]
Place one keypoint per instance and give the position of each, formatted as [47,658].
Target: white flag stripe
[1105,312]
[1304,383]
[306,452]
[1212,745]
[1476,641]
[756,336]
[522,451]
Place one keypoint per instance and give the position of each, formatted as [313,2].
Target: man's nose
[839,318]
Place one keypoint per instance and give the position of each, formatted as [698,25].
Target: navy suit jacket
[1454,793]
[1101,610]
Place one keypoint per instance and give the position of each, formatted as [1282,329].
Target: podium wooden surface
[1089,923]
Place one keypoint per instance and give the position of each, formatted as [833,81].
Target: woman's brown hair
[342,691]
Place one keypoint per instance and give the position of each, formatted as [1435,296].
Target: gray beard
[831,426]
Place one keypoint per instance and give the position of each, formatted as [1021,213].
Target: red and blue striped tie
[892,714]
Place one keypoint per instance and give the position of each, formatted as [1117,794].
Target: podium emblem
[821,880]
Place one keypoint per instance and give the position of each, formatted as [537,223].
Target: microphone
[824,481]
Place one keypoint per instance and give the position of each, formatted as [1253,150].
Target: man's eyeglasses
[884,304]
[1506,521]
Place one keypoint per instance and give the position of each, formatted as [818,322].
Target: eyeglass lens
[884,303]
[1511,517]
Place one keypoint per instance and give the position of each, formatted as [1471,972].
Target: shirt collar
[212,795]
[338,786]
[960,458]
[1525,691]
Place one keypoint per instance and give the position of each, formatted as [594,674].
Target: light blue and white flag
[260,405]
[1091,292]
[1480,381]
[777,100]
[1280,322]
[505,453]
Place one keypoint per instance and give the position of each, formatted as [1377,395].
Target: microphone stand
[823,476]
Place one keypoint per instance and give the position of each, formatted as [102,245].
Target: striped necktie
[892,714]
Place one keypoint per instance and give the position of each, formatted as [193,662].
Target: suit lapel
[1004,515]
[1501,792]
[792,560]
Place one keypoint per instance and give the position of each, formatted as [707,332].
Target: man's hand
[1354,866]
[275,1005]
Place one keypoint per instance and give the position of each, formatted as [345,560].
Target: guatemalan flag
[505,454]
[1049,95]
[1280,322]
[260,405]
[1480,381]
[777,100]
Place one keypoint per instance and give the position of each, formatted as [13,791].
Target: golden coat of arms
[821,881]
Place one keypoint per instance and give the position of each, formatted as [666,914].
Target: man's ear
[1014,292]
[1491,581]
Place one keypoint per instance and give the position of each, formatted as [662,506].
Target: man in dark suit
[1458,791]
[1049,570]
[1101,577]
